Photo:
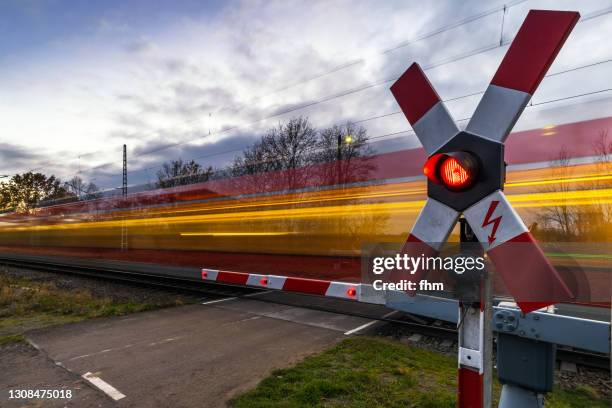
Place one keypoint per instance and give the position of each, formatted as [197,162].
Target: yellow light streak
[409,190]
[564,198]
[559,181]
[235,234]
[572,198]
[304,200]
[355,194]
[351,194]
[339,205]
[244,216]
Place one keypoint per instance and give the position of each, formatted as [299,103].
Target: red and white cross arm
[530,278]
[430,231]
[531,53]
[423,108]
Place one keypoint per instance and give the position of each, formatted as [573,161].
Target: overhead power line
[345,65]
[355,90]
[386,135]
[448,60]
[403,44]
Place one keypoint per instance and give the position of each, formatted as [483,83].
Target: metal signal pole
[124,170]
[124,233]
[339,158]
[475,331]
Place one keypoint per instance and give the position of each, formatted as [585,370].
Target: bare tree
[176,173]
[603,148]
[567,219]
[81,189]
[288,146]
[559,217]
[297,144]
[603,156]
[285,149]
[348,146]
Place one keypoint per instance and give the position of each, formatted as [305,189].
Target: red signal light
[456,171]
[431,167]
[453,174]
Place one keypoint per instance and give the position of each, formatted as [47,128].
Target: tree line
[22,192]
[290,145]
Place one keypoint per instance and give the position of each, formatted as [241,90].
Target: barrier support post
[475,336]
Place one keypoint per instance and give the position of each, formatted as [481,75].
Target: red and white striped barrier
[342,290]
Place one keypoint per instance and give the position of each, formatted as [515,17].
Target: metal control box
[524,362]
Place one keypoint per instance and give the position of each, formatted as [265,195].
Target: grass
[374,372]
[27,304]
[15,338]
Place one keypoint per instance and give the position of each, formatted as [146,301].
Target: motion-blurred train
[314,221]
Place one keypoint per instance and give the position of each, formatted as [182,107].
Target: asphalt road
[190,356]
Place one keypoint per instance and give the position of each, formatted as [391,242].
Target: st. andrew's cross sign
[466,169]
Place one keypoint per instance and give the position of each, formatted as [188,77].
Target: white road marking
[368,324]
[243,320]
[260,293]
[363,326]
[100,352]
[169,339]
[103,386]
[155,343]
[218,300]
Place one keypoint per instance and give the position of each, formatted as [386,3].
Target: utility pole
[124,170]
[338,158]
[124,232]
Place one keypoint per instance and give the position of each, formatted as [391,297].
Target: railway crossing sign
[466,174]
[466,169]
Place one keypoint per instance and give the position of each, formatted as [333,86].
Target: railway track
[416,324]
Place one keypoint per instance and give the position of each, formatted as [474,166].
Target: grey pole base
[513,397]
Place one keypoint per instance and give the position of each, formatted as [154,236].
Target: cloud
[12,155]
[140,46]
[107,25]
[174,80]
[19,159]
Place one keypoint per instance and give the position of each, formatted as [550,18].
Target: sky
[204,79]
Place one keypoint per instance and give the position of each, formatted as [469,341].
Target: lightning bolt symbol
[495,221]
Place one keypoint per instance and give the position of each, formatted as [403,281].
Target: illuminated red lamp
[457,171]
[453,174]
[204,274]
[263,281]
[431,167]
[351,292]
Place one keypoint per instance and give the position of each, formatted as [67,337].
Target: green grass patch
[26,304]
[374,372]
[15,338]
